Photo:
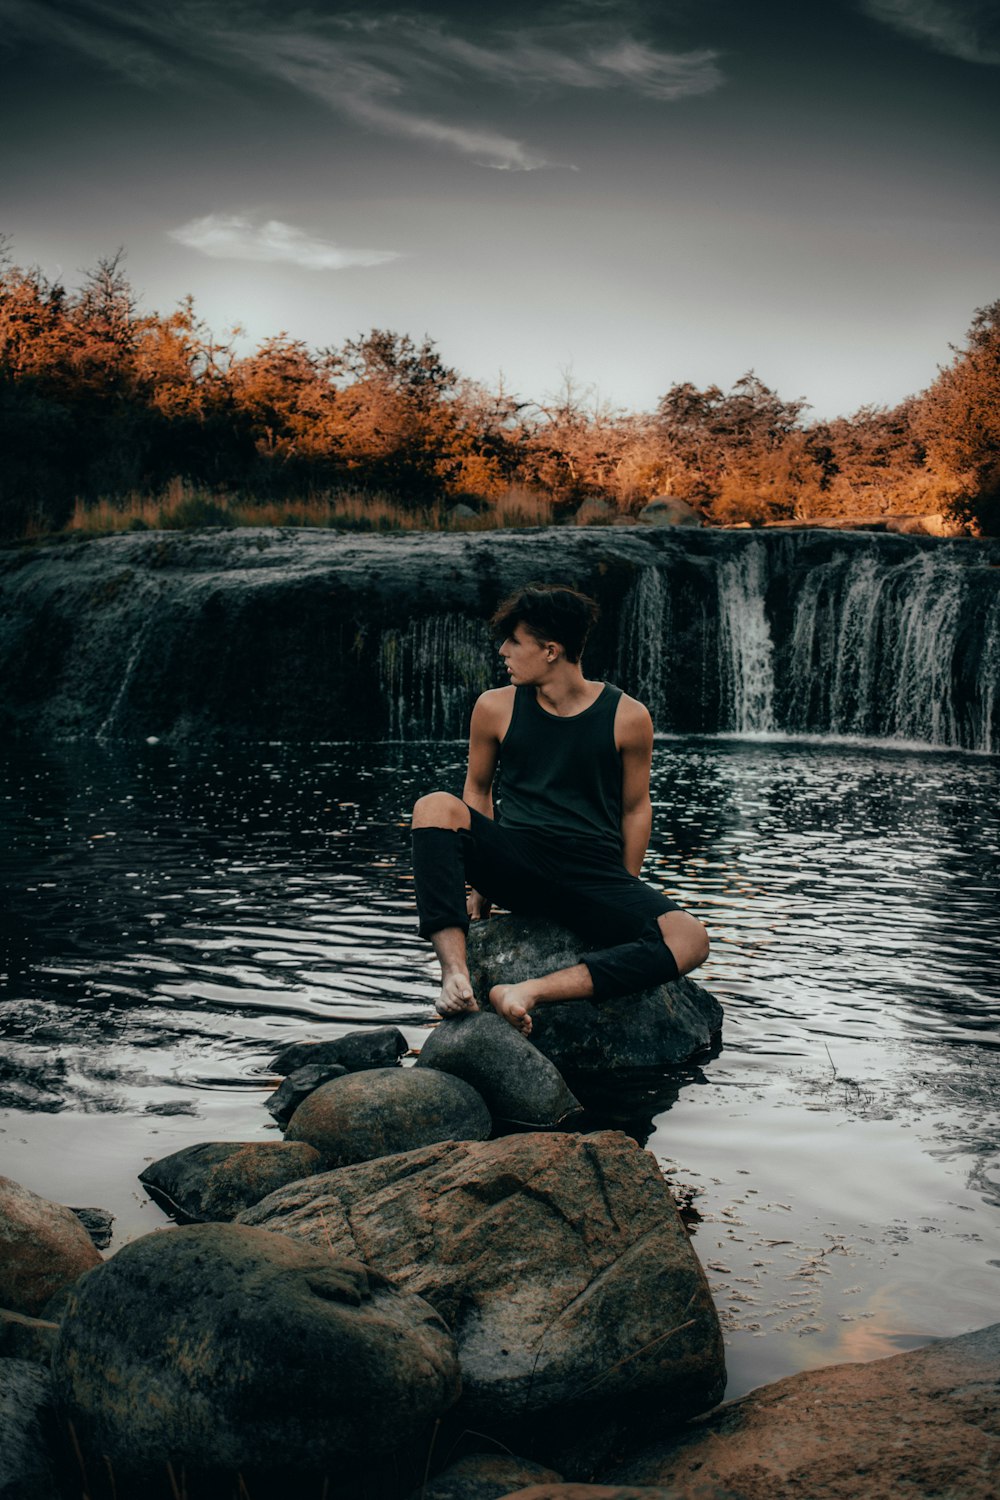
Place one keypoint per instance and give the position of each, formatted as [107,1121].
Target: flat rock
[227,1348]
[918,1424]
[560,1263]
[43,1248]
[387,1110]
[375,1047]
[25,1432]
[484,1476]
[216,1180]
[519,1084]
[286,1099]
[653,1029]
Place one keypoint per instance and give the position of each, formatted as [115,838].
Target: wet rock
[43,1247]
[520,1086]
[922,1423]
[223,1347]
[653,1029]
[559,1261]
[216,1180]
[25,1437]
[484,1476]
[375,1047]
[668,510]
[285,1100]
[22,1337]
[387,1110]
[98,1223]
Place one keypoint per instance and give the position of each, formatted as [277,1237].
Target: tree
[959,418]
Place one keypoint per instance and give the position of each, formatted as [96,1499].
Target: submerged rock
[653,1029]
[26,1471]
[484,1476]
[216,1180]
[223,1347]
[559,1261]
[385,1111]
[922,1423]
[285,1100]
[43,1248]
[375,1047]
[520,1085]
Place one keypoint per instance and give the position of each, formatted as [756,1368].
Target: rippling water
[175,917]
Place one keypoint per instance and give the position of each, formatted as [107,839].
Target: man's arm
[634,736]
[484,751]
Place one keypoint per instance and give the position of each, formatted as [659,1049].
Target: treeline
[100,400]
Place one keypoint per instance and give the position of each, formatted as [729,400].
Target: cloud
[235,237]
[969,31]
[409,74]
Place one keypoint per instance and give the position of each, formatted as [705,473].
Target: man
[574,759]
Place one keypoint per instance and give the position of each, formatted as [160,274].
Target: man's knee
[686,938]
[440,810]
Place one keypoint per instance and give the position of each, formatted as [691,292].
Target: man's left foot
[513,1002]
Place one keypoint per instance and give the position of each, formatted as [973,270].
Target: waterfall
[644,644]
[746,649]
[431,673]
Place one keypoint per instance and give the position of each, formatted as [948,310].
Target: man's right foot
[456,997]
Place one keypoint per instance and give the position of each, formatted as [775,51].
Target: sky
[625,194]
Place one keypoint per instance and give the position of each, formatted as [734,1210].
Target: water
[174,918]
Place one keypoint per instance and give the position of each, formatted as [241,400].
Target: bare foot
[456,995]
[513,1002]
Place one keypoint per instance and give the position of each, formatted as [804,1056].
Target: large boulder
[375,1047]
[559,1261]
[521,1087]
[918,1424]
[669,510]
[656,1028]
[385,1111]
[484,1476]
[43,1248]
[227,1348]
[216,1180]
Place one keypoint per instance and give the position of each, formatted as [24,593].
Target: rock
[216,1180]
[223,1347]
[25,1438]
[285,1100]
[596,1492]
[918,1424]
[594,508]
[43,1247]
[376,1047]
[463,512]
[98,1223]
[387,1110]
[656,1028]
[22,1337]
[559,1261]
[932,525]
[484,1476]
[520,1086]
[668,510]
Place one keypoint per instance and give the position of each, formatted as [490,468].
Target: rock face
[656,1028]
[25,1436]
[43,1248]
[919,1424]
[385,1111]
[223,1347]
[519,1085]
[216,1180]
[559,1261]
[484,1476]
[375,1047]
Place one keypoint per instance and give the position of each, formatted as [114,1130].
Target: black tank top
[563,776]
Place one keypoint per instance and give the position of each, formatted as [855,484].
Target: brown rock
[216,1180]
[560,1262]
[387,1110]
[915,1425]
[669,510]
[43,1248]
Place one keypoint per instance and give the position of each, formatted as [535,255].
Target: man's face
[527,659]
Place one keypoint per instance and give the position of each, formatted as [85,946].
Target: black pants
[539,875]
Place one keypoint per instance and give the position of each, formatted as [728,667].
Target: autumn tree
[959,419]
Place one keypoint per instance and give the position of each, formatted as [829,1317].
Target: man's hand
[477,906]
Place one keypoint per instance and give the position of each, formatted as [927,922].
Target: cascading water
[644,643]
[430,674]
[746,649]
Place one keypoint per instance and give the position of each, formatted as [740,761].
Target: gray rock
[376,1047]
[223,1347]
[387,1110]
[519,1085]
[22,1337]
[668,510]
[595,508]
[917,1424]
[484,1476]
[25,1438]
[559,1261]
[216,1180]
[43,1247]
[98,1223]
[654,1029]
[285,1100]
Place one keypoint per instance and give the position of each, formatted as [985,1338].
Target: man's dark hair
[551,613]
